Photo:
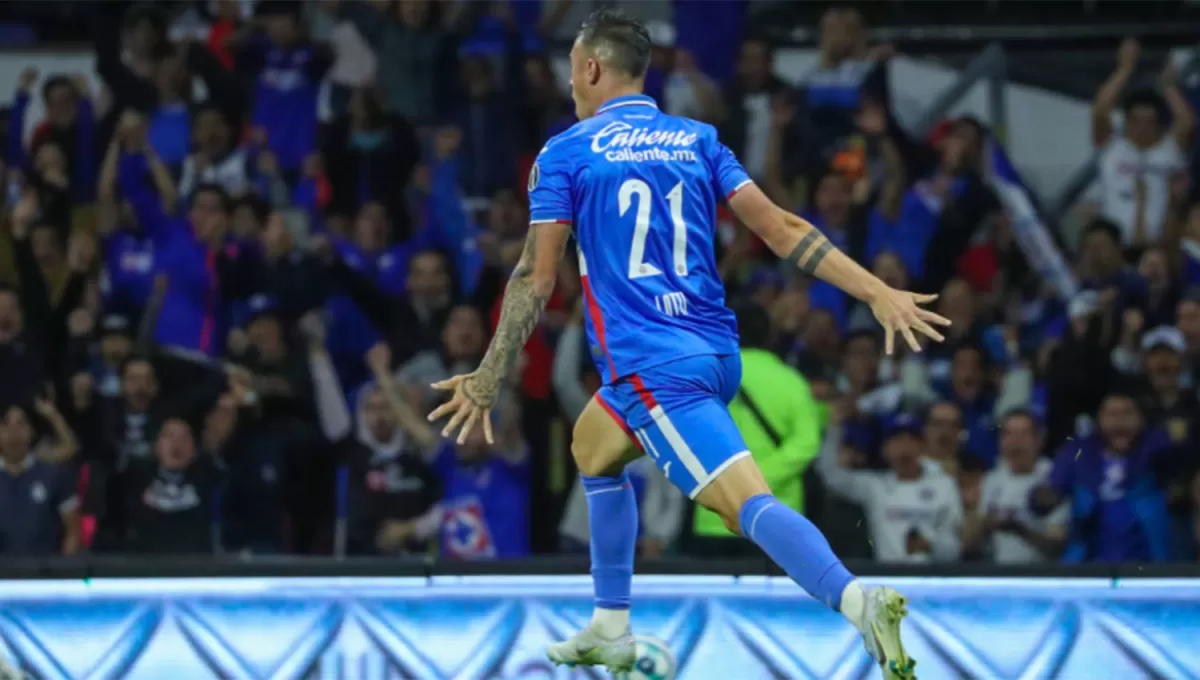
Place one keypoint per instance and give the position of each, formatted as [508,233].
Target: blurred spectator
[289,71]
[486,160]
[463,344]
[61,162]
[981,402]
[944,436]
[410,323]
[368,154]
[294,278]
[1188,323]
[145,73]
[393,493]
[169,500]
[39,510]
[486,504]
[748,98]
[1136,166]
[1079,368]
[120,427]
[676,82]
[1162,288]
[1102,267]
[868,397]
[845,73]
[216,160]
[206,272]
[914,512]
[777,416]
[1005,529]
[33,329]
[406,37]
[542,109]
[947,209]
[1113,483]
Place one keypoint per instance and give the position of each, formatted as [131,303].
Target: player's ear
[593,71]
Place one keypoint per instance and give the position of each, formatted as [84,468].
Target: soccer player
[639,188]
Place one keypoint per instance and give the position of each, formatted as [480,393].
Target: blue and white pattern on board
[498,627]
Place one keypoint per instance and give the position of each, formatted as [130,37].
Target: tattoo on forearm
[519,315]
[808,253]
[802,247]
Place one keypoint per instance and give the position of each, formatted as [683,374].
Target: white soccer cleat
[880,627]
[589,648]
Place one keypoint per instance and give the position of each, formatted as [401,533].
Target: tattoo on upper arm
[808,253]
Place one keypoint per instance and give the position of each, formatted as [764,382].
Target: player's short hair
[619,40]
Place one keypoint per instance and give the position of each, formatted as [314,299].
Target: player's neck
[618,91]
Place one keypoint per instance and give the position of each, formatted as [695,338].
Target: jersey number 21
[638,267]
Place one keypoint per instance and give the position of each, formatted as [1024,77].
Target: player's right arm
[525,298]
[795,239]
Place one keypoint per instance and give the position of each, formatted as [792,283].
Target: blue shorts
[677,413]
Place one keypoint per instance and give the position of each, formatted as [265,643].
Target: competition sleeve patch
[535,173]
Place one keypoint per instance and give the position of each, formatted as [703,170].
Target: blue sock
[613,518]
[797,546]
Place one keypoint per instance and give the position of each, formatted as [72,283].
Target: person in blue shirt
[638,189]
[1102,268]
[1113,482]
[971,390]
[70,125]
[485,500]
[205,271]
[289,71]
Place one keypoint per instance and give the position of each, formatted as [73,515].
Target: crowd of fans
[231,275]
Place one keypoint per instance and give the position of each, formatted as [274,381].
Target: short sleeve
[728,174]
[550,187]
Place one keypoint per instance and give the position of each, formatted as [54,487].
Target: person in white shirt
[1137,163]
[914,513]
[1006,528]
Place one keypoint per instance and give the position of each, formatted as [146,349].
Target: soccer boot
[589,648]
[880,627]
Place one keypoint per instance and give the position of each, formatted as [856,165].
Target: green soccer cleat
[588,648]
[885,609]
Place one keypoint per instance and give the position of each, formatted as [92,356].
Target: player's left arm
[799,242]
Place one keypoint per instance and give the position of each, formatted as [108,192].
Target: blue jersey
[640,188]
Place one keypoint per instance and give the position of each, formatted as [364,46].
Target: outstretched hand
[474,396]
[900,311]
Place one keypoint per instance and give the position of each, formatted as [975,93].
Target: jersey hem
[646,367]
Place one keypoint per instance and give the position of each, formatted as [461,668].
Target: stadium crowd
[221,310]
